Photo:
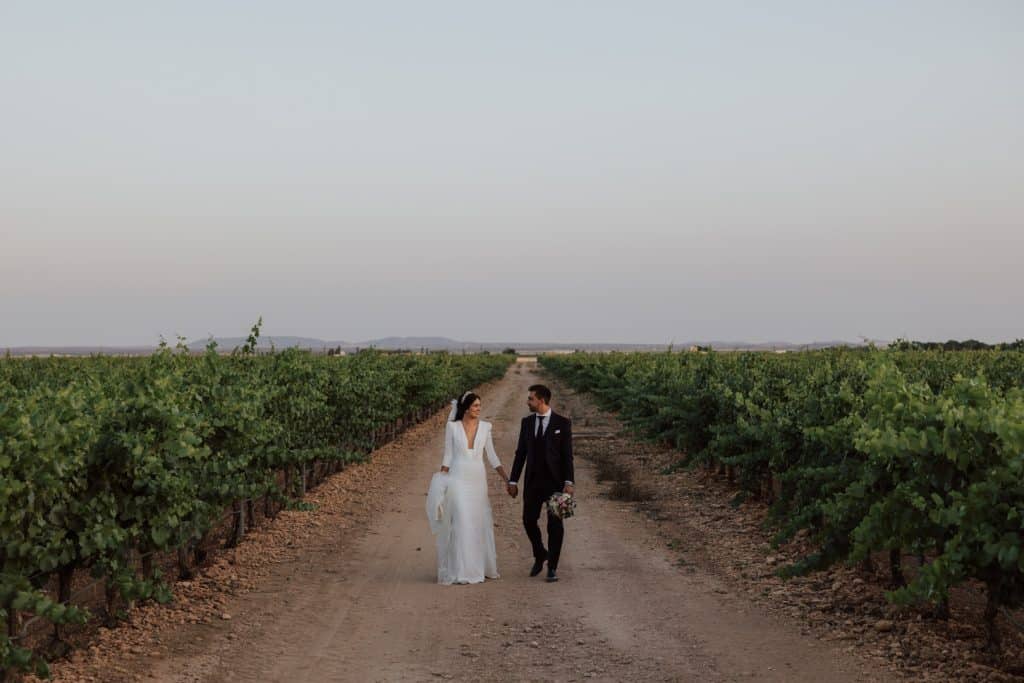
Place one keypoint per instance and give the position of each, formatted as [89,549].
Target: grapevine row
[107,460]
[899,452]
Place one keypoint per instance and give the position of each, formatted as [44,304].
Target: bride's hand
[444,468]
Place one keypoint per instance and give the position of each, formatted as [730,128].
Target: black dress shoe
[552,577]
[537,566]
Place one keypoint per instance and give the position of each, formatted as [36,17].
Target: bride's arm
[446,463]
[492,457]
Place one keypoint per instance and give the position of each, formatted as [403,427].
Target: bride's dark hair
[464,405]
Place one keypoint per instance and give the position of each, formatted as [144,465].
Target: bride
[457,505]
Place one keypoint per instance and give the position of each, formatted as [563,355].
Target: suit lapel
[551,427]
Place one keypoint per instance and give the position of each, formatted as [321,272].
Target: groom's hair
[541,392]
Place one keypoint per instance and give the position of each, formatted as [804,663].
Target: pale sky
[518,171]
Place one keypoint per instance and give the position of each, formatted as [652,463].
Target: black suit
[548,462]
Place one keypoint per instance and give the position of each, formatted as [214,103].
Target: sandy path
[365,606]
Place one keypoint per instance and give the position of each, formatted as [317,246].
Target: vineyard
[872,453]
[106,462]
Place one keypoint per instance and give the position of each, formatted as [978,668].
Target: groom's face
[536,405]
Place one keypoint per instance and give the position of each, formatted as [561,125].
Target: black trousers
[533,501]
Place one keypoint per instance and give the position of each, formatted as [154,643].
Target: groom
[545,447]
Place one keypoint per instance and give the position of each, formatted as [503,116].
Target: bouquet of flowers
[562,505]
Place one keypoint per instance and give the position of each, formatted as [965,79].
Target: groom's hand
[570,489]
[512,489]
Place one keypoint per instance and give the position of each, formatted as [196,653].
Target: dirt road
[362,604]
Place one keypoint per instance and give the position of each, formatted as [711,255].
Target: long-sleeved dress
[465,532]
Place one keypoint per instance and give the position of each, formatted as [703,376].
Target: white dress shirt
[543,426]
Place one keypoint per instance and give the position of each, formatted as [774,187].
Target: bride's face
[474,410]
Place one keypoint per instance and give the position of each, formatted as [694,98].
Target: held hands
[570,489]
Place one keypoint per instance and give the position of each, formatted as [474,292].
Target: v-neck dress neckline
[465,434]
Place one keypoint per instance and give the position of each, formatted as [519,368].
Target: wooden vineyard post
[775,484]
[199,549]
[241,523]
[238,530]
[64,576]
[993,643]
[896,578]
[13,625]
[13,622]
[110,601]
[184,571]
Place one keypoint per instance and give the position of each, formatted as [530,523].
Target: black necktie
[540,427]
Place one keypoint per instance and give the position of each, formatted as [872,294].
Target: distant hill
[448,344]
[227,344]
[79,350]
[388,343]
[415,343]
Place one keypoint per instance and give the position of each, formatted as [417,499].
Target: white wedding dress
[459,509]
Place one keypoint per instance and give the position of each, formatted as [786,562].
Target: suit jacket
[557,451]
